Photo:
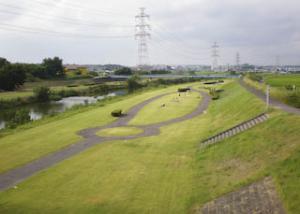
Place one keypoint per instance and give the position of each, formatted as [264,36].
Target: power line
[10,27]
[39,15]
[163,45]
[74,6]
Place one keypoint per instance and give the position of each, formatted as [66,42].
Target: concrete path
[15,176]
[273,102]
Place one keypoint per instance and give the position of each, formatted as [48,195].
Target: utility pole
[277,62]
[142,35]
[238,58]
[215,56]
[267,97]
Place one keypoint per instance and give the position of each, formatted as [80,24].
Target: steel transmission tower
[238,60]
[215,56]
[142,35]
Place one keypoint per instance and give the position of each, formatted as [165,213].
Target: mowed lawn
[119,131]
[166,108]
[169,173]
[24,145]
[15,94]
[283,80]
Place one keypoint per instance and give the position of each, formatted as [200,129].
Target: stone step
[253,123]
[235,130]
[260,119]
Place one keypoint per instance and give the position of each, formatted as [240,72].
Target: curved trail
[14,176]
[273,102]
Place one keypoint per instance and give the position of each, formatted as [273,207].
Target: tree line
[13,75]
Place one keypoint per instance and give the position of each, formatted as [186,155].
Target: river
[39,110]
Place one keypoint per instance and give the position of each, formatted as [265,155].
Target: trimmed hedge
[116,113]
[183,89]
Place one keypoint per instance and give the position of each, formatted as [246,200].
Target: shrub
[42,93]
[19,117]
[290,87]
[72,86]
[214,93]
[293,99]
[183,89]
[255,77]
[116,113]
[133,83]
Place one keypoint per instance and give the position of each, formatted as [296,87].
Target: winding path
[273,102]
[15,176]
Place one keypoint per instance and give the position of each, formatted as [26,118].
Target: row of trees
[13,75]
[129,71]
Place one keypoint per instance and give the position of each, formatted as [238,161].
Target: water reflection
[38,110]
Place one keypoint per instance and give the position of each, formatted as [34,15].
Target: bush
[116,113]
[20,117]
[133,84]
[290,87]
[67,93]
[256,77]
[124,71]
[183,89]
[214,93]
[42,94]
[72,86]
[293,99]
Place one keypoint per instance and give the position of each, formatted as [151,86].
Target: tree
[124,71]
[12,76]
[53,67]
[3,62]
[42,94]
[133,83]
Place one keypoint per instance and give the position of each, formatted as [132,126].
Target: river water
[39,110]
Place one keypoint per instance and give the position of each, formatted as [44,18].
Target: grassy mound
[166,108]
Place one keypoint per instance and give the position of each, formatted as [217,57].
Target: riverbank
[285,88]
[15,99]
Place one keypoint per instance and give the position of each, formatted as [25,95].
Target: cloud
[182,33]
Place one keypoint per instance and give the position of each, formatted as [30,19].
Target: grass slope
[169,173]
[283,80]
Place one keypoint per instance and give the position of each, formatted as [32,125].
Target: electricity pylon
[215,56]
[142,35]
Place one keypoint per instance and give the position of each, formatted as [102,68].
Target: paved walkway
[273,102]
[15,176]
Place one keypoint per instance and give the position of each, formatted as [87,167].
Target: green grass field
[26,145]
[55,85]
[167,173]
[278,89]
[283,80]
[166,108]
[119,131]
[15,94]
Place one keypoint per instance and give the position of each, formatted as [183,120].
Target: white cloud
[183,31]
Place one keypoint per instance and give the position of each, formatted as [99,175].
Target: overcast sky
[183,31]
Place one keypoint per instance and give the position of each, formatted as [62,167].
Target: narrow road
[17,175]
[273,102]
